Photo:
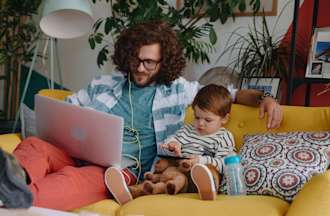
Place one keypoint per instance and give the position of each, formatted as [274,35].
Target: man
[148,92]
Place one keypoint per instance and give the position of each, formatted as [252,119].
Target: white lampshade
[66,18]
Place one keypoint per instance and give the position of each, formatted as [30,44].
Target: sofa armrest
[8,142]
[314,198]
[55,93]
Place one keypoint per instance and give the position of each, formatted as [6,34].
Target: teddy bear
[170,176]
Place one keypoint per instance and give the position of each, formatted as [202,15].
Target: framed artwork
[319,55]
[269,7]
[270,85]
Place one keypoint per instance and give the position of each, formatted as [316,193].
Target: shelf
[308,81]
[294,82]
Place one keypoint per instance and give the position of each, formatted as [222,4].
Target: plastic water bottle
[234,175]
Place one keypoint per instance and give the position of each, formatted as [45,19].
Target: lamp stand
[53,53]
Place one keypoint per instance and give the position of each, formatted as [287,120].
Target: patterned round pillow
[280,164]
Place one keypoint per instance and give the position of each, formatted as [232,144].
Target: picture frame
[318,65]
[265,84]
[269,7]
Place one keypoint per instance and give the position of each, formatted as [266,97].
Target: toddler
[206,142]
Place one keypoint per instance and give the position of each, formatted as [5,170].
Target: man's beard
[150,81]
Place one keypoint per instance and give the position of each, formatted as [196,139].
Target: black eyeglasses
[149,64]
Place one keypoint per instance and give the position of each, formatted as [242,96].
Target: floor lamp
[61,19]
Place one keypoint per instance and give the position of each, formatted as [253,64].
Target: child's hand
[172,147]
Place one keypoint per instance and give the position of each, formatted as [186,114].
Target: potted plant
[258,53]
[18,33]
[193,22]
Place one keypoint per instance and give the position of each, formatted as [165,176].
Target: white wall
[79,61]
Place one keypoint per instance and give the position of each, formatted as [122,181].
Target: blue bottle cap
[233,159]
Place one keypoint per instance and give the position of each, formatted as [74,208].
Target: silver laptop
[83,133]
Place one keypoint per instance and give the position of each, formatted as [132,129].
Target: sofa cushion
[103,207]
[313,199]
[280,164]
[190,204]
[8,142]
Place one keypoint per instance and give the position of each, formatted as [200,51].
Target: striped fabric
[212,148]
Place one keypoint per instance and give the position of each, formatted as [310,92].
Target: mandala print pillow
[280,164]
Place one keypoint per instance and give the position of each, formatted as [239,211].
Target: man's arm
[252,97]
[85,95]
[248,97]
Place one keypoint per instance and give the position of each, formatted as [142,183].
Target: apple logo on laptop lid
[78,133]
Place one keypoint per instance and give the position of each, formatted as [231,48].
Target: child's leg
[116,181]
[206,179]
[216,175]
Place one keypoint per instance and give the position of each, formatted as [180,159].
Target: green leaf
[242,6]
[97,24]
[102,57]
[108,25]
[91,42]
[213,36]
[234,3]
[98,38]
[162,2]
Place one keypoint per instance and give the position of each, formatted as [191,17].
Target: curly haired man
[147,90]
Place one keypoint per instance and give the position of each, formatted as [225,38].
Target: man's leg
[207,180]
[14,192]
[39,158]
[70,188]
[116,181]
[54,180]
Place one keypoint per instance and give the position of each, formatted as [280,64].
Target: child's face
[207,122]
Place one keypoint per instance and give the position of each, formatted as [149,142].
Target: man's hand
[172,147]
[274,110]
[251,97]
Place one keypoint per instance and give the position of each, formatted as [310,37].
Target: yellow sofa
[312,200]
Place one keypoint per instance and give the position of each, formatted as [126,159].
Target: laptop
[83,133]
